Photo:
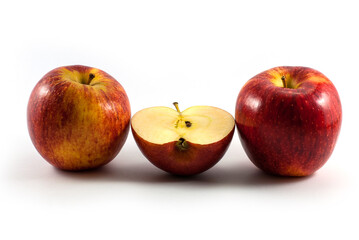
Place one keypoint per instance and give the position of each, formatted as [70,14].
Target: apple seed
[188,123]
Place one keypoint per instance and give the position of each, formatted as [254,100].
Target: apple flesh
[288,120]
[183,143]
[78,117]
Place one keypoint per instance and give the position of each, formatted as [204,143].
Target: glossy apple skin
[76,126]
[289,132]
[196,159]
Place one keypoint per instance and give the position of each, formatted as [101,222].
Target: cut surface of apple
[183,143]
[198,124]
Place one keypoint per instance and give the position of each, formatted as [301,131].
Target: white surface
[194,52]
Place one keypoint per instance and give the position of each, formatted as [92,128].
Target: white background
[196,53]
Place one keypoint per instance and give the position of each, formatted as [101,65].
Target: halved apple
[183,143]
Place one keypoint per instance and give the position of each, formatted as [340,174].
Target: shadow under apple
[138,170]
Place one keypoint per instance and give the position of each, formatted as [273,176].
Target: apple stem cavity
[284,82]
[182,144]
[91,77]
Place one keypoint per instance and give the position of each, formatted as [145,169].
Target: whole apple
[183,143]
[78,117]
[288,119]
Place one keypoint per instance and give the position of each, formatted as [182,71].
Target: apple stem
[177,108]
[91,77]
[284,82]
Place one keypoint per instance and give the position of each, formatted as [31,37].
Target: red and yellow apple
[183,143]
[78,117]
[288,119]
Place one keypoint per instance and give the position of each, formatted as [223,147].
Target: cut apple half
[183,143]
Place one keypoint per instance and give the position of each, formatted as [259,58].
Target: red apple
[288,119]
[78,117]
[183,143]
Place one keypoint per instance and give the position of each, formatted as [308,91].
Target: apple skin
[285,131]
[194,160]
[77,126]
